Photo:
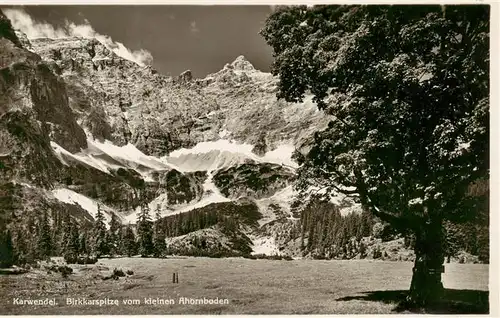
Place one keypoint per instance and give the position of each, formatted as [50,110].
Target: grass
[251,286]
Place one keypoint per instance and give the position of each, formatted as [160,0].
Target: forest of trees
[183,223]
[469,237]
[227,216]
[324,233]
[57,234]
[331,235]
[60,235]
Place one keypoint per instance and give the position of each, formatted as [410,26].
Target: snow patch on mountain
[66,157]
[264,245]
[223,133]
[210,161]
[281,155]
[223,153]
[221,145]
[90,205]
[105,156]
[209,198]
[211,192]
[127,155]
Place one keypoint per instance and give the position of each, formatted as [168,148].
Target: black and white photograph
[245,159]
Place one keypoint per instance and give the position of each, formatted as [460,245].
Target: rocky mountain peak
[72,48]
[6,30]
[186,76]
[237,73]
[23,39]
[242,64]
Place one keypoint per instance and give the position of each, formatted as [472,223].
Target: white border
[494,280]
[494,160]
[236,2]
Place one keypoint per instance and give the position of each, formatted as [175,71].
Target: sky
[199,38]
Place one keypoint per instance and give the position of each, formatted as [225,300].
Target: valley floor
[250,287]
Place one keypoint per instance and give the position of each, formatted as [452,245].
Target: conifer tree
[83,248]
[144,231]
[20,248]
[71,243]
[484,246]
[452,239]
[7,253]
[158,235]
[129,243]
[99,246]
[44,242]
[74,242]
[366,223]
[113,235]
[65,233]
[31,241]
[119,240]
[58,232]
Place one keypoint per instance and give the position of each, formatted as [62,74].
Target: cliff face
[37,120]
[81,126]
[7,32]
[118,100]
[33,111]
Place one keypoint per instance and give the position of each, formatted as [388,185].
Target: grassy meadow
[250,286]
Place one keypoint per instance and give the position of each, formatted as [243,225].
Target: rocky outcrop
[253,180]
[25,153]
[242,64]
[186,76]
[183,187]
[33,88]
[7,31]
[34,112]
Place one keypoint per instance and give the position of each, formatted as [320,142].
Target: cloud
[33,29]
[193,27]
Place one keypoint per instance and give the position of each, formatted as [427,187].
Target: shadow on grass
[454,301]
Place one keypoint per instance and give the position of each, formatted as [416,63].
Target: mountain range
[81,127]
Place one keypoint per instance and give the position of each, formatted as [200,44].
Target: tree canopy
[408,91]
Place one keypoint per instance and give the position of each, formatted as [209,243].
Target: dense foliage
[328,234]
[409,89]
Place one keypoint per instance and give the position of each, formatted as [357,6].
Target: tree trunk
[426,286]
